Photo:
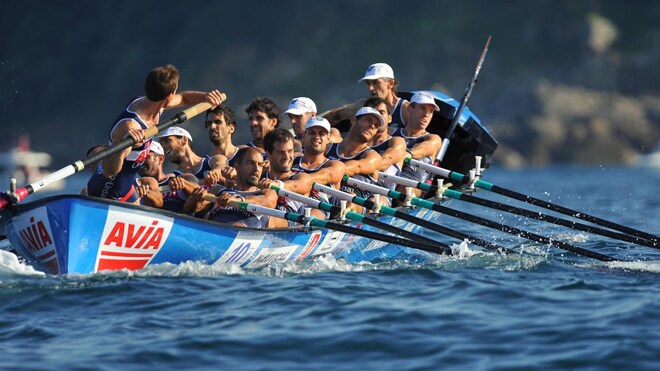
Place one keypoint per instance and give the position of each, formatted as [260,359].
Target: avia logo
[134,236]
[37,238]
[129,240]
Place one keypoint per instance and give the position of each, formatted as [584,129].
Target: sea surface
[542,308]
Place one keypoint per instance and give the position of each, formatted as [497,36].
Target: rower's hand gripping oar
[463,179]
[21,193]
[457,116]
[333,209]
[255,209]
[475,219]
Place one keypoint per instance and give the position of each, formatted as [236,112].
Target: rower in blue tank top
[121,186]
[421,145]
[115,177]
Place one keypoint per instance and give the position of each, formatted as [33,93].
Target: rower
[391,149]
[322,170]
[264,117]
[220,123]
[153,177]
[381,83]
[279,149]
[421,145]
[249,165]
[115,178]
[177,143]
[360,160]
[300,110]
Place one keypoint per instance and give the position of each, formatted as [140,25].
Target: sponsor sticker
[311,244]
[131,240]
[272,255]
[244,245]
[330,242]
[36,235]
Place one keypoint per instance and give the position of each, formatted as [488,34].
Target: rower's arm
[429,147]
[301,183]
[331,173]
[368,165]
[130,128]
[345,112]
[267,198]
[394,154]
[193,97]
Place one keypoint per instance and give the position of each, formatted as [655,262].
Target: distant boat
[25,165]
[649,160]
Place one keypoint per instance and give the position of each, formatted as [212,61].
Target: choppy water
[543,309]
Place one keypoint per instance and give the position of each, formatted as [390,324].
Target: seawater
[541,309]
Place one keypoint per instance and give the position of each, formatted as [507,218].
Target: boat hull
[81,235]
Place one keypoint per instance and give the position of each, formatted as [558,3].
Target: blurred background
[563,82]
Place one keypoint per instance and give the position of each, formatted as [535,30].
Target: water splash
[11,264]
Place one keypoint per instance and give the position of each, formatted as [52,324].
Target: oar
[519,211]
[461,106]
[336,227]
[325,206]
[463,179]
[404,216]
[475,219]
[80,165]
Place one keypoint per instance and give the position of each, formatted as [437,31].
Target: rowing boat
[79,234]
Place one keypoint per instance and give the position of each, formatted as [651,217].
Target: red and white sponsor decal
[311,244]
[34,231]
[242,248]
[131,240]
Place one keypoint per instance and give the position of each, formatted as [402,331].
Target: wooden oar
[336,227]
[407,217]
[454,122]
[463,179]
[475,219]
[80,165]
[325,206]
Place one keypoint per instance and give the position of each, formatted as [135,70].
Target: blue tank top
[394,169]
[333,154]
[397,114]
[407,171]
[232,215]
[320,196]
[121,186]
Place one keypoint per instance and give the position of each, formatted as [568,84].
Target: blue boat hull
[77,234]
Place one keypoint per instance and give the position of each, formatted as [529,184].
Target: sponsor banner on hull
[131,240]
[34,230]
[311,244]
[272,255]
[242,248]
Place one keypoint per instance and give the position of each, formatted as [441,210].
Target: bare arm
[368,165]
[345,112]
[394,154]
[429,147]
[331,173]
[129,128]
[193,97]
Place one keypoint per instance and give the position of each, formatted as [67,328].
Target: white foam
[9,264]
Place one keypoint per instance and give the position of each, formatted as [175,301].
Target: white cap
[370,111]
[300,105]
[318,121]
[156,148]
[422,97]
[175,130]
[377,71]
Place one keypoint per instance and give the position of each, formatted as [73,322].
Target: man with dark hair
[221,125]
[177,143]
[264,117]
[381,83]
[279,149]
[391,149]
[249,165]
[115,178]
